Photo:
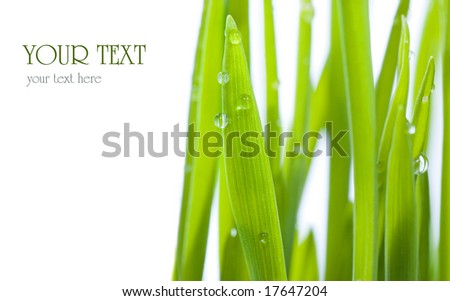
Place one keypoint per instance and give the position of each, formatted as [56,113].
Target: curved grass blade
[231,267]
[386,78]
[339,248]
[248,174]
[422,110]
[401,241]
[304,260]
[444,251]
[295,167]
[399,98]
[200,172]
[355,33]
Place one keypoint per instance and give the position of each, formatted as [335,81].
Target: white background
[72,221]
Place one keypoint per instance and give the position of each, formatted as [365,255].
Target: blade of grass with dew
[239,9]
[230,267]
[272,108]
[419,139]
[386,78]
[355,34]
[430,44]
[400,97]
[201,170]
[423,201]
[294,167]
[338,262]
[401,240]
[444,251]
[304,266]
[247,166]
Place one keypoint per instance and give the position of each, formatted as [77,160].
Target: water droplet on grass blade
[421,164]
[233,232]
[264,237]
[412,55]
[234,36]
[244,102]
[223,78]
[411,129]
[221,120]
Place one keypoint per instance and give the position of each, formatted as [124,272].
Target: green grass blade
[445,201]
[430,44]
[201,171]
[249,179]
[399,98]
[423,201]
[338,263]
[231,256]
[295,167]
[304,265]
[231,268]
[386,78]
[422,110]
[355,33]
[401,240]
[192,117]
[272,108]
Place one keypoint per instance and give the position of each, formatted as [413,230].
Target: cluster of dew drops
[244,103]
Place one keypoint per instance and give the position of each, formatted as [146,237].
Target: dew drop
[244,102]
[233,232]
[234,36]
[411,128]
[264,237]
[221,120]
[432,88]
[223,78]
[308,12]
[412,55]
[421,164]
